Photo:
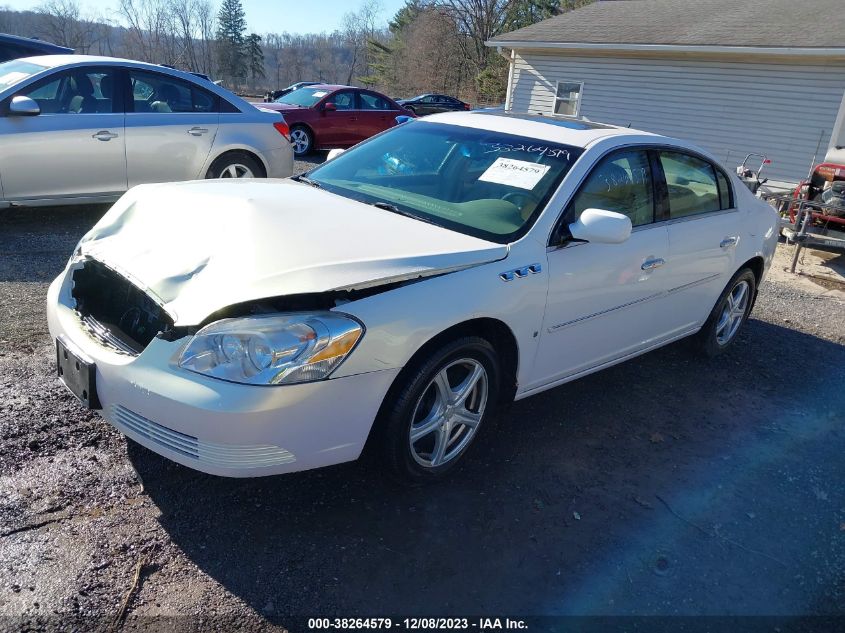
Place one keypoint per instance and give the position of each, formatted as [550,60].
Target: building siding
[731,108]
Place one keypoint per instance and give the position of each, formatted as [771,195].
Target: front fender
[400,321]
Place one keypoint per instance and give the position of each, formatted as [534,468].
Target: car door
[376,113]
[74,147]
[338,125]
[703,233]
[606,301]
[170,127]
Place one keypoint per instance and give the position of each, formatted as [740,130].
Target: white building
[734,76]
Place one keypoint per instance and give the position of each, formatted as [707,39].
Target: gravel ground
[666,485]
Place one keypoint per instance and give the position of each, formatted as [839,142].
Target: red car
[326,116]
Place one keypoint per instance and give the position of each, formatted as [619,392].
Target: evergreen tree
[255,56]
[231,52]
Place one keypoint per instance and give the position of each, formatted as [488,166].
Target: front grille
[115,312]
[223,455]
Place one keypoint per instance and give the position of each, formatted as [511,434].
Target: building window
[568,98]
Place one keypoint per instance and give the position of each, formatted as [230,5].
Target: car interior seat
[167,98]
[83,100]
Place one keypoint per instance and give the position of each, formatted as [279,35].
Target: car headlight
[272,350]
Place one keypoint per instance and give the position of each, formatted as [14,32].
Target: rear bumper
[219,427]
[279,162]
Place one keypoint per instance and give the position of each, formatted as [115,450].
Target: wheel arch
[239,150]
[495,331]
[757,265]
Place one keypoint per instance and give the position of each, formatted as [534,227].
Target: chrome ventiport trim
[518,273]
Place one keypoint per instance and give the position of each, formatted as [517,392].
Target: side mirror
[337,151]
[601,226]
[403,118]
[329,107]
[24,106]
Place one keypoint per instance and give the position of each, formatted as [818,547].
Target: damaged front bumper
[215,426]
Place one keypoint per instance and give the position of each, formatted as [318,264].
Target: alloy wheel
[300,140]
[236,170]
[448,413]
[733,312]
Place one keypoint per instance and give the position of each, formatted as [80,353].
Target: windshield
[479,182]
[304,97]
[15,71]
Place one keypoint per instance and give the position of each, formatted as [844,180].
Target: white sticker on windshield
[13,77]
[320,93]
[516,173]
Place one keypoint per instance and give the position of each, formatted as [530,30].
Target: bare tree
[63,24]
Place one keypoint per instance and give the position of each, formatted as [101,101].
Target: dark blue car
[12,47]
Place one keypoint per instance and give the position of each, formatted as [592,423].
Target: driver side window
[343,100]
[621,182]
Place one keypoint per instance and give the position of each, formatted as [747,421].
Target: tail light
[467,106]
[282,128]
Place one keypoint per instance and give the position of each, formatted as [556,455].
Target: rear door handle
[728,241]
[653,262]
[197,131]
[104,135]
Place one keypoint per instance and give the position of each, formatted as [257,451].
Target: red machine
[824,193]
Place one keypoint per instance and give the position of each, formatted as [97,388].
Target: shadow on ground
[664,485]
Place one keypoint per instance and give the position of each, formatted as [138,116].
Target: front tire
[434,412]
[729,314]
[302,140]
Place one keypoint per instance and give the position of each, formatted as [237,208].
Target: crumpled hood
[201,246]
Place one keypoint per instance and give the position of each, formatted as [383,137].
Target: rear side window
[162,94]
[621,182]
[374,102]
[691,184]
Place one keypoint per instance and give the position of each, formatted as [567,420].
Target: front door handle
[104,135]
[197,131]
[728,241]
[653,262]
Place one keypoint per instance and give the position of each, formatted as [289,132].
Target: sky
[263,16]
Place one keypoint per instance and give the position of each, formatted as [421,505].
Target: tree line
[428,45]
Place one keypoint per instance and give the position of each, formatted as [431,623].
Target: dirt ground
[668,485]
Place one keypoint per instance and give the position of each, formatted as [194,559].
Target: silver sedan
[80,129]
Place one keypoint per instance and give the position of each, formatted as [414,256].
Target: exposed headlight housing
[275,349]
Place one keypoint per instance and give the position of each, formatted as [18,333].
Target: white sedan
[392,297]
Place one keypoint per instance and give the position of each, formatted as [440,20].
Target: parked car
[326,116]
[14,47]
[77,129]
[395,295]
[275,94]
[433,103]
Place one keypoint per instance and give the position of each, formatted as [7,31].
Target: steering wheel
[521,198]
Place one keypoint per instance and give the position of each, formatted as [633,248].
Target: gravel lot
[666,485]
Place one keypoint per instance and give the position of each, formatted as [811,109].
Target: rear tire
[434,411]
[730,313]
[235,165]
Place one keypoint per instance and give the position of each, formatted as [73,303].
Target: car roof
[33,44]
[70,61]
[563,130]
